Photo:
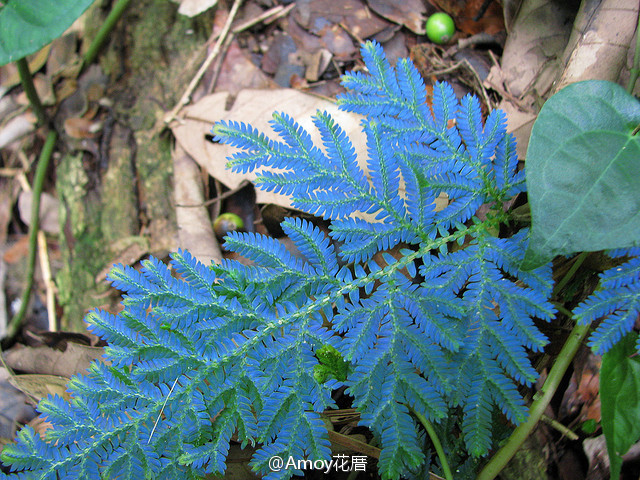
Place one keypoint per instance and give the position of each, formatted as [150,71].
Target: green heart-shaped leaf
[620,399]
[28,25]
[583,172]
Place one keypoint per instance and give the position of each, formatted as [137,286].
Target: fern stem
[562,309]
[107,27]
[569,275]
[446,470]
[539,405]
[41,170]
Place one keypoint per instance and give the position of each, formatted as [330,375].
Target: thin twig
[203,68]
[267,17]
[43,255]
[162,409]
[217,68]
[566,431]
[219,198]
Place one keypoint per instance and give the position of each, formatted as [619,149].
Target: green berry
[440,28]
[227,222]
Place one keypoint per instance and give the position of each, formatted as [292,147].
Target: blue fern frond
[428,309]
[616,302]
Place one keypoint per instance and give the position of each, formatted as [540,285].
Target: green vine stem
[539,405]
[542,399]
[30,90]
[569,275]
[635,70]
[568,352]
[446,470]
[108,25]
[41,170]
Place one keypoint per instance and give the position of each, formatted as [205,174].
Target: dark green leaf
[583,166]
[589,426]
[620,399]
[28,25]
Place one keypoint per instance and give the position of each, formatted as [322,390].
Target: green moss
[81,243]
[146,61]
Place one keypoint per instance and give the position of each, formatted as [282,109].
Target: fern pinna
[228,351]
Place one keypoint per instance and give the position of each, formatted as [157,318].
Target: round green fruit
[226,223]
[440,28]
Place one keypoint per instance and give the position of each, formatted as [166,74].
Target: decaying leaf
[40,386]
[531,57]
[255,107]
[14,408]
[411,13]
[191,8]
[17,128]
[195,231]
[48,211]
[45,360]
[599,42]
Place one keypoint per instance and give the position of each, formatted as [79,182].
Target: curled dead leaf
[78,127]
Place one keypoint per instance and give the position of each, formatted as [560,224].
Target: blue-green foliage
[203,354]
[617,301]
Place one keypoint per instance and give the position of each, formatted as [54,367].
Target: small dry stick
[43,255]
[162,409]
[217,68]
[267,17]
[214,53]
[217,199]
[352,34]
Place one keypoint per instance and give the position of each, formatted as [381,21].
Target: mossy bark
[528,463]
[81,243]
[150,59]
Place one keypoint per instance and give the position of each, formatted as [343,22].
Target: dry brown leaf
[519,123]
[239,72]
[601,37]
[44,89]
[255,107]
[531,58]
[36,62]
[333,25]
[17,128]
[191,8]
[14,407]
[40,386]
[195,232]
[410,13]
[45,360]
[79,127]
[48,214]
[17,250]
[40,425]
[489,21]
